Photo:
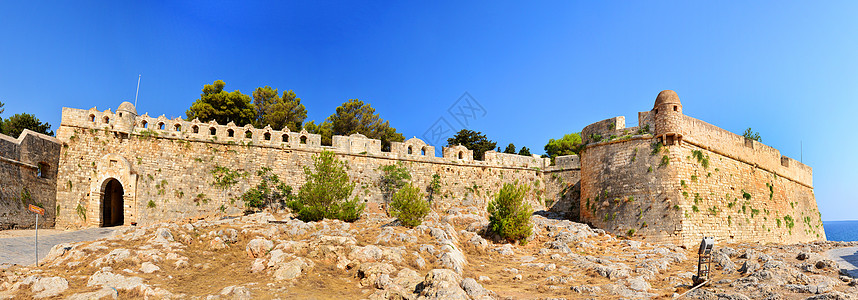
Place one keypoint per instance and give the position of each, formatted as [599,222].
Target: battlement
[125,121]
[704,135]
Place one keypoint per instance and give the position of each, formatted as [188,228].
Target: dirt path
[847,258]
[16,246]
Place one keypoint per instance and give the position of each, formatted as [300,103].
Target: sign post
[38,211]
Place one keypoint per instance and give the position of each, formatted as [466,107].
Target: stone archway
[112,203]
[113,190]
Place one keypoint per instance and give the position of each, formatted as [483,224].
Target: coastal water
[846,231]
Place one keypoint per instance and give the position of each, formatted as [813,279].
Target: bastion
[671,179]
[676,179]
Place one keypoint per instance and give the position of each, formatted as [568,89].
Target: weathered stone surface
[108,279]
[259,247]
[442,284]
[49,286]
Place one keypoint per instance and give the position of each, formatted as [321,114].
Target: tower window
[212,131]
[230,133]
[285,138]
[42,171]
[675,108]
[196,129]
[267,136]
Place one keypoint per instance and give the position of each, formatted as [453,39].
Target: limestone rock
[108,279]
[442,284]
[49,286]
[104,293]
[258,247]
[149,268]
[293,269]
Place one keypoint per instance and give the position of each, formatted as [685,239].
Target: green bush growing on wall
[268,191]
[393,178]
[81,212]
[509,214]
[631,232]
[665,160]
[408,206]
[325,193]
[151,204]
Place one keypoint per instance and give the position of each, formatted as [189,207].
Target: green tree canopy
[279,112]
[509,149]
[524,151]
[216,104]
[750,134]
[355,116]
[14,125]
[473,140]
[568,145]
[325,129]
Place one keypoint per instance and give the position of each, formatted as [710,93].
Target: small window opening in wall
[196,129]
[212,131]
[784,161]
[423,151]
[248,134]
[178,127]
[161,126]
[460,154]
[42,171]
[409,149]
[285,138]
[120,115]
[145,124]
[303,139]
[230,133]
[675,108]
[92,118]
[656,111]
[106,119]
[267,136]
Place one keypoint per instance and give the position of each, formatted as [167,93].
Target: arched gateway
[112,203]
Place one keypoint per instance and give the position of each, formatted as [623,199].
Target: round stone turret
[126,114]
[668,117]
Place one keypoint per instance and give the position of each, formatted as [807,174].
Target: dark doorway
[111,201]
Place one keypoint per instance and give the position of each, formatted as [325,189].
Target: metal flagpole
[138,90]
[37,240]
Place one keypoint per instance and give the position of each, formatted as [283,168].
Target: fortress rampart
[161,168]
[675,179]
[671,179]
[28,173]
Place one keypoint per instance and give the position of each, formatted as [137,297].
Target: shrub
[664,161]
[631,232]
[509,215]
[151,204]
[269,190]
[434,187]
[408,206]
[393,178]
[325,192]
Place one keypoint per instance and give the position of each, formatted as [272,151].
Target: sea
[846,231]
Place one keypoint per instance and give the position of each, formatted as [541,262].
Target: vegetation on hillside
[509,214]
[568,145]
[326,191]
[473,140]
[14,125]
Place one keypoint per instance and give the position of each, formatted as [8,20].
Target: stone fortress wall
[699,181]
[164,167]
[28,173]
[671,179]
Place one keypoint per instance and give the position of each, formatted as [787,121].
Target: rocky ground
[265,256]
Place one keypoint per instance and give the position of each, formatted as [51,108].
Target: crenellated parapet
[666,124]
[126,122]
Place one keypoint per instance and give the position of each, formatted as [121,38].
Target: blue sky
[787,69]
